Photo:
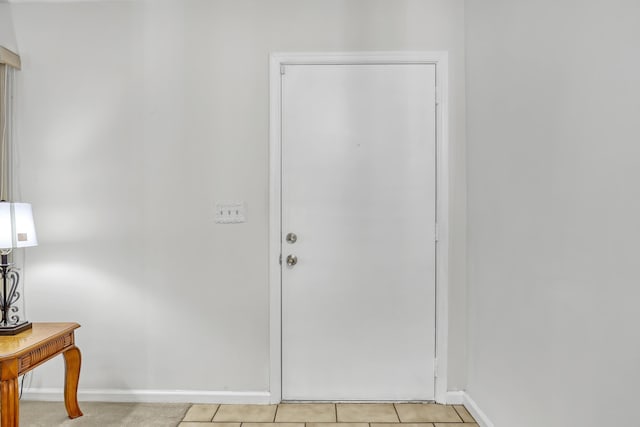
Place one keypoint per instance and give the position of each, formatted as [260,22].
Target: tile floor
[329,415]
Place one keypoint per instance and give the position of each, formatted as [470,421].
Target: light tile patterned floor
[329,415]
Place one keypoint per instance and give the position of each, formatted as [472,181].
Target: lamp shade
[17,229]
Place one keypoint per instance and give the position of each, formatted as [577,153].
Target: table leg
[72,375]
[10,405]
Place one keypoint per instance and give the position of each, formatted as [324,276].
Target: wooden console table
[22,352]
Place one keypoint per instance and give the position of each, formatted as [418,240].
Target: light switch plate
[231,212]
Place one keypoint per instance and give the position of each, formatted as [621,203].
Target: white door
[359,192]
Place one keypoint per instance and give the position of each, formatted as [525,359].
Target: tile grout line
[458,414]
[397,413]
[335,408]
[215,412]
[275,414]
[469,414]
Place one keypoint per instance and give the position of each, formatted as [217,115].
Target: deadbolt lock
[291,238]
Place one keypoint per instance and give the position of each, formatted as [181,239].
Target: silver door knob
[291,238]
[292,260]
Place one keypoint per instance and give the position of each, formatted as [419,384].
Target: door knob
[292,260]
[291,238]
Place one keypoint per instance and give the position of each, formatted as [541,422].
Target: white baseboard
[455,398]
[475,411]
[151,396]
[197,396]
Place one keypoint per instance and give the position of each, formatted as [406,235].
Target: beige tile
[245,413]
[306,413]
[272,424]
[366,412]
[427,412]
[456,425]
[201,413]
[338,424]
[205,424]
[402,425]
[464,414]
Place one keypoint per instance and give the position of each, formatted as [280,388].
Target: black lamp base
[15,329]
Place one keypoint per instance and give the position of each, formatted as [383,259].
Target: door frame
[440,60]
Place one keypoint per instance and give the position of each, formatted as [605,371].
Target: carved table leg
[10,402]
[72,375]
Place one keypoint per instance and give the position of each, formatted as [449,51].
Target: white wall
[553,100]
[7,34]
[133,119]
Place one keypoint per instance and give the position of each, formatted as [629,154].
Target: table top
[12,346]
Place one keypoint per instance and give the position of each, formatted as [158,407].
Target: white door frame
[440,60]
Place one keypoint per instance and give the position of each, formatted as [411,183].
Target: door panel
[358,190]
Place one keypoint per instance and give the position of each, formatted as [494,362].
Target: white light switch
[231,213]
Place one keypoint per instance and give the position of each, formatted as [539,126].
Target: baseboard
[197,396]
[454,398]
[152,396]
[475,411]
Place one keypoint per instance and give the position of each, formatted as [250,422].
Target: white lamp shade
[17,229]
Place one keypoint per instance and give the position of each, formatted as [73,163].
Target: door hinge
[282,70]
[280,260]
[435,232]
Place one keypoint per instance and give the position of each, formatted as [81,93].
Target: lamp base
[15,329]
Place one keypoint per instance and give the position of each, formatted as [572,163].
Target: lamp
[17,230]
